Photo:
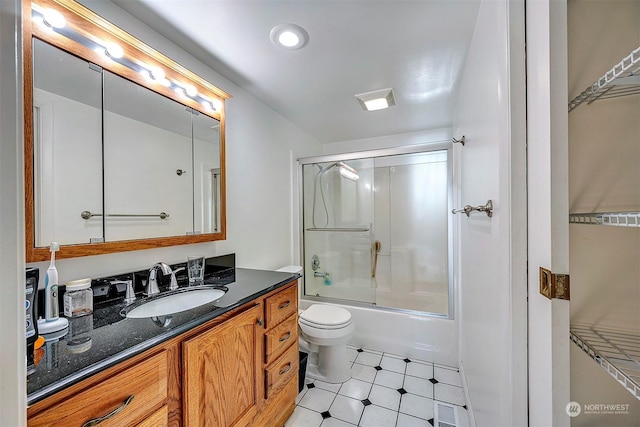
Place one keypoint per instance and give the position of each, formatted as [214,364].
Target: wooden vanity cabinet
[244,372]
[220,373]
[239,369]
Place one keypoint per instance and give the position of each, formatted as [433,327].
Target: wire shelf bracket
[623,79]
[615,219]
[616,352]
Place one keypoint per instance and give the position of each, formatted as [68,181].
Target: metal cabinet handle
[285,369]
[284,305]
[285,337]
[96,421]
[260,321]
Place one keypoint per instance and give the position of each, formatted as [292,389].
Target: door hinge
[554,285]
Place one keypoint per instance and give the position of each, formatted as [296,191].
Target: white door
[491,260]
[548,210]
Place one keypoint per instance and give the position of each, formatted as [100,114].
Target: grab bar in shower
[89,214]
[486,208]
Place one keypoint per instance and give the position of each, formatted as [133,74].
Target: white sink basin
[174,303]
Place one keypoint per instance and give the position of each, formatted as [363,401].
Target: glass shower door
[377,230]
[412,232]
[338,221]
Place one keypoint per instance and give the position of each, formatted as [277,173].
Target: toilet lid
[326,315]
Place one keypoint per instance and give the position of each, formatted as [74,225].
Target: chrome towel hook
[486,208]
[458,141]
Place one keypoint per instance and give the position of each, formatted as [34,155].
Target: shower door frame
[445,145]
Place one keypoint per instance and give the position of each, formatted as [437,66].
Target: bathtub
[415,336]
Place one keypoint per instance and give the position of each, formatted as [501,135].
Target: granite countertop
[114,338]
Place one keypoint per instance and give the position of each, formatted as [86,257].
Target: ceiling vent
[376,100]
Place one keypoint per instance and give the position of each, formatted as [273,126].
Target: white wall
[388,141]
[491,256]
[12,351]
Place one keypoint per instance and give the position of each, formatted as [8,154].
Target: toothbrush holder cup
[195,269]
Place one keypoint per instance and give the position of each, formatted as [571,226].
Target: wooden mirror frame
[93,27]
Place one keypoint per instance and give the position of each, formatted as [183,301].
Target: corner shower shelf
[618,353]
[623,79]
[616,219]
[342,229]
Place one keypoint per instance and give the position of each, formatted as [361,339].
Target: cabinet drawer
[146,382]
[280,306]
[283,370]
[159,418]
[280,337]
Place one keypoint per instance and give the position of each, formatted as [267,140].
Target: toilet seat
[325,317]
[325,331]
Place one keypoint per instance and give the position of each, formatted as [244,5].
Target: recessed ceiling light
[376,100]
[289,36]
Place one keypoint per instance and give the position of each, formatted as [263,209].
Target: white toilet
[324,333]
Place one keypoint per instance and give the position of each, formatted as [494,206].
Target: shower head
[348,172]
[345,170]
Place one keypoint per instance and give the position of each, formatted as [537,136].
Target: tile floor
[386,390]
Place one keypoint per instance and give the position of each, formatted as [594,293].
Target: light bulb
[113,50]
[191,90]
[53,18]
[180,91]
[376,104]
[156,73]
[207,105]
[288,39]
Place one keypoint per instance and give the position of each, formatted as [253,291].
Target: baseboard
[467,398]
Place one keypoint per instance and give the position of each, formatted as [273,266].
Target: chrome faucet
[152,283]
[174,282]
[130,295]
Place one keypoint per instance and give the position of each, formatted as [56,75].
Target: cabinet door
[220,368]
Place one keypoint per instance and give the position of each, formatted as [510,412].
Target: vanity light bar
[54,21]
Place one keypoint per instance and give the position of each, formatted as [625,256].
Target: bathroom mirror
[121,152]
